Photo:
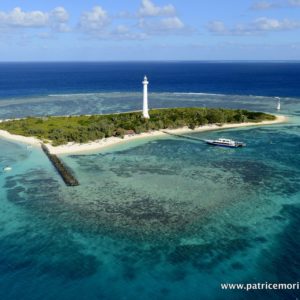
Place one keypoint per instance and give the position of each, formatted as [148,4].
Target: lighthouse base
[146,116]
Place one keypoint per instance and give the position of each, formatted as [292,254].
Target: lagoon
[159,218]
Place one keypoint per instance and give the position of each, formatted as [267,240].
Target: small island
[58,132]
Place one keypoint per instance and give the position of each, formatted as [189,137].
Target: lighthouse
[145,98]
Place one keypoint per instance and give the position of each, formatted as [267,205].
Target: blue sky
[106,30]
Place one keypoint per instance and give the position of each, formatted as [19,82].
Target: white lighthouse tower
[145,98]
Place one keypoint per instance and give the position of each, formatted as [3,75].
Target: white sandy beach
[71,148]
[19,138]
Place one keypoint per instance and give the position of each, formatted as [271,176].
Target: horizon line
[149,61]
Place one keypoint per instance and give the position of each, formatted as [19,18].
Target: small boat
[7,169]
[225,143]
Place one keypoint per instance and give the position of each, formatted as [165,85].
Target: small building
[130,132]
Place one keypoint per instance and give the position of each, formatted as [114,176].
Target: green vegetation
[82,129]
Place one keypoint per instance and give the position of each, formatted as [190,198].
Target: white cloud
[264,5]
[98,24]
[121,29]
[62,27]
[159,19]
[59,14]
[171,25]
[217,27]
[124,15]
[266,24]
[149,20]
[258,26]
[56,19]
[95,20]
[294,2]
[149,9]
[17,18]
[125,33]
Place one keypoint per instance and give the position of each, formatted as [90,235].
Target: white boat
[7,169]
[225,143]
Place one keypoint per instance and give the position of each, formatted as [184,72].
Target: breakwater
[62,170]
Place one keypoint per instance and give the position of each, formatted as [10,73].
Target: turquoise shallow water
[157,218]
[101,103]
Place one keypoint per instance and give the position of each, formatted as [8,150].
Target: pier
[62,170]
[187,137]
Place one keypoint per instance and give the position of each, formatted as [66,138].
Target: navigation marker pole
[278,103]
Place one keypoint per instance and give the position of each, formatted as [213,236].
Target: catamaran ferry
[225,143]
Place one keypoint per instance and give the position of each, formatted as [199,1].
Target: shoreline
[72,148]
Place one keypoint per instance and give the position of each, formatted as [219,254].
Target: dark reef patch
[14,195]
[33,186]
[136,168]
[277,218]
[59,256]
[76,266]
[10,183]
[260,239]
[260,174]
[206,256]
[178,274]
[128,273]
[281,263]
[237,266]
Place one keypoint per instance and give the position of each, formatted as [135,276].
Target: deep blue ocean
[239,78]
[156,218]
